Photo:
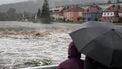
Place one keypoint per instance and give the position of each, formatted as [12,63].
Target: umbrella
[101,41]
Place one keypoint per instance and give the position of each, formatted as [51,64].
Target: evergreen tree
[38,13]
[11,14]
[117,1]
[109,2]
[45,13]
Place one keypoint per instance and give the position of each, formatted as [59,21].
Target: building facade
[112,14]
[73,13]
[57,13]
[93,13]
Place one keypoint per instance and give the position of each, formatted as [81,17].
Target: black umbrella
[100,41]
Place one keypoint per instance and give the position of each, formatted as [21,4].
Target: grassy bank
[118,24]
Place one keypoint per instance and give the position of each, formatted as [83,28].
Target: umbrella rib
[94,40]
[97,42]
[118,34]
[112,50]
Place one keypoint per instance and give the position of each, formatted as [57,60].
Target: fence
[43,67]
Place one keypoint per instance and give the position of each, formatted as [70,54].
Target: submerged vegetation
[36,62]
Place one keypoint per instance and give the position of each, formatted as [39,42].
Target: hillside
[28,6]
[33,5]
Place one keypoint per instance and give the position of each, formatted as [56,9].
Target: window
[107,13]
[103,14]
[110,13]
[113,14]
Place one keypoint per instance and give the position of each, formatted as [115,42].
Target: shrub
[32,63]
[36,62]
[46,62]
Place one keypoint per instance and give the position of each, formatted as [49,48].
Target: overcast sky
[13,1]
[10,1]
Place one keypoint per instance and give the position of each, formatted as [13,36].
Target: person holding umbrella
[73,61]
[90,63]
[101,42]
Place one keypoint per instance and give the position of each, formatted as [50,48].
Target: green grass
[118,24]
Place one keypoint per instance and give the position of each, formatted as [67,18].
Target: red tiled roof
[74,8]
[93,8]
[117,8]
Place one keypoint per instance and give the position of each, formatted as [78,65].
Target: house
[57,13]
[112,14]
[23,18]
[120,15]
[92,13]
[73,13]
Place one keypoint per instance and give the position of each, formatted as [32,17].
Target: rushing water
[17,49]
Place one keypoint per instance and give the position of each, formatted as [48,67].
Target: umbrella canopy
[100,41]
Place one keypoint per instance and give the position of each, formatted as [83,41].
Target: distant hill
[33,5]
[27,6]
